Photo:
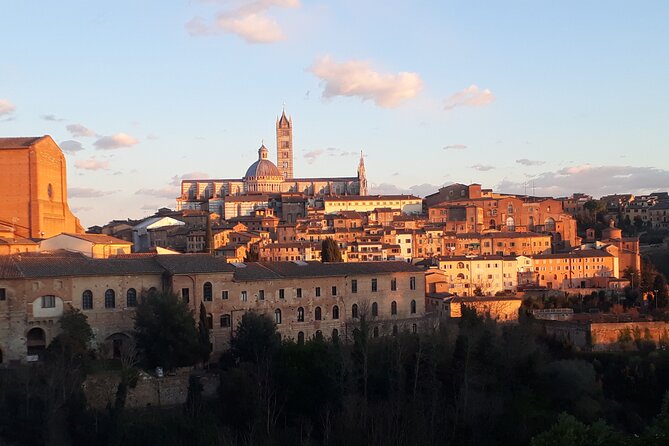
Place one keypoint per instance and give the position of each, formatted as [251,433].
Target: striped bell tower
[284,145]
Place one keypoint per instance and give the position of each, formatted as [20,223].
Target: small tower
[284,145]
[362,175]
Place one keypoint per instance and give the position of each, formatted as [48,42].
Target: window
[413,307]
[207,291]
[375,285]
[375,309]
[414,328]
[298,292]
[152,291]
[110,299]
[3,294]
[510,224]
[282,293]
[277,316]
[334,290]
[131,298]
[335,312]
[354,286]
[87,300]
[261,294]
[393,284]
[244,296]
[224,294]
[225,321]
[300,338]
[185,294]
[335,335]
[412,283]
[318,291]
[393,308]
[49,301]
[300,314]
[354,311]
[317,314]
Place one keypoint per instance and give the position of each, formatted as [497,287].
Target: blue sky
[563,96]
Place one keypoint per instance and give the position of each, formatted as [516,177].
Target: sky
[540,97]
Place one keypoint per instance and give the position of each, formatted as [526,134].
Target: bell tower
[284,145]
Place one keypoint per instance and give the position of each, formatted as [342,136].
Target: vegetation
[330,251]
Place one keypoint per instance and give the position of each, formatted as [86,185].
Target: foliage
[203,334]
[330,251]
[165,332]
[568,431]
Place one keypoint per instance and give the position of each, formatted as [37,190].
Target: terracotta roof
[277,270]
[98,239]
[19,143]
[583,253]
[192,263]
[371,197]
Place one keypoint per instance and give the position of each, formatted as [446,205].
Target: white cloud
[51,117]
[471,96]
[357,78]
[71,146]
[251,22]
[482,167]
[528,162]
[420,190]
[79,131]
[6,107]
[313,155]
[116,141]
[455,147]
[176,179]
[91,164]
[164,192]
[87,192]
[593,180]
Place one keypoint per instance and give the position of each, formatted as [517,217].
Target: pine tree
[203,334]
[330,251]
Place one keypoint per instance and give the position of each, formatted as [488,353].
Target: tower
[284,145]
[362,175]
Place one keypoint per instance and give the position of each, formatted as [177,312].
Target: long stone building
[264,178]
[303,298]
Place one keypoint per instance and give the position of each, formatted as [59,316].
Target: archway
[116,343]
[35,341]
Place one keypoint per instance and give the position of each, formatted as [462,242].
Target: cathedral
[265,179]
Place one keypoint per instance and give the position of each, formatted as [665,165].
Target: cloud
[176,179]
[87,192]
[471,96]
[79,131]
[526,162]
[250,21]
[116,141]
[455,147]
[313,155]
[165,192]
[482,167]
[51,117]
[593,180]
[357,78]
[92,164]
[419,190]
[6,107]
[71,146]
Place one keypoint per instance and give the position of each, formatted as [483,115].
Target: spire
[284,121]
[362,175]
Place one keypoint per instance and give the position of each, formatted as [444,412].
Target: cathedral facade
[264,178]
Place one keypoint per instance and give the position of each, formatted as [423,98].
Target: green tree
[568,431]
[203,334]
[165,332]
[251,256]
[330,251]
[255,338]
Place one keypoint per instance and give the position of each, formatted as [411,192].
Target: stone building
[303,298]
[265,181]
[34,188]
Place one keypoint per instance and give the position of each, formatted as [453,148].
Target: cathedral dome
[263,167]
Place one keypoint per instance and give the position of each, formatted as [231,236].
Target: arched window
[300,314]
[542,277]
[152,291]
[317,314]
[375,309]
[413,307]
[87,300]
[461,265]
[493,223]
[549,225]
[510,209]
[335,312]
[207,291]
[375,332]
[131,298]
[510,224]
[225,321]
[110,298]
[300,338]
[461,276]
[277,316]
[35,341]
[319,335]
[393,308]
[335,335]
[354,311]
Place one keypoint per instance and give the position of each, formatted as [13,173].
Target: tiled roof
[371,197]
[583,253]
[99,239]
[19,143]
[277,270]
[193,263]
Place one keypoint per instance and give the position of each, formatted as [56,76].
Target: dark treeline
[472,383]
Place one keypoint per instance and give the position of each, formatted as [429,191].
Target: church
[266,181]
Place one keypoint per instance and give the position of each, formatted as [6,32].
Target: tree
[165,332]
[255,338]
[568,431]
[251,256]
[330,251]
[203,334]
